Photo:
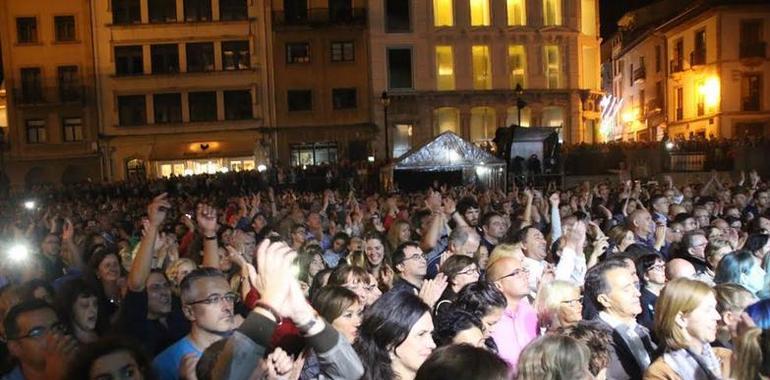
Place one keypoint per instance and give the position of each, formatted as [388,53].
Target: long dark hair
[68,295]
[463,361]
[385,326]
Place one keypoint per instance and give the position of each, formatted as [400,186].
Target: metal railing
[676,65]
[640,74]
[698,57]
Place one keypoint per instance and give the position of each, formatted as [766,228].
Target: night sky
[611,10]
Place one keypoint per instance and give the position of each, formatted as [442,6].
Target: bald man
[679,268]
[640,223]
[518,325]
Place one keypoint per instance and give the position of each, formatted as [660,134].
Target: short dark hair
[463,361]
[681,218]
[488,217]
[479,298]
[465,203]
[596,280]
[81,367]
[644,263]
[450,323]
[688,240]
[399,255]
[197,274]
[520,235]
[11,322]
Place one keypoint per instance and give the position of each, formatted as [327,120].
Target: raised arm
[141,266]
[207,223]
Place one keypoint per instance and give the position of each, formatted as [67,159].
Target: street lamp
[520,103]
[385,100]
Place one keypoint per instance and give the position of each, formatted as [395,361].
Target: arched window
[135,169]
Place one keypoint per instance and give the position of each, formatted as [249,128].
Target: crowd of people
[223,277]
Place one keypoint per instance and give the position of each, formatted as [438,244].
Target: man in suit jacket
[614,289]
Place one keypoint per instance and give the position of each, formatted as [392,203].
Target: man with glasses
[208,303]
[411,266]
[37,339]
[693,249]
[518,325]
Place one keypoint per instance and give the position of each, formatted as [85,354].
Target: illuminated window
[482,76]
[517,12]
[446,119]
[445,73]
[552,12]
[402,139]
[479,12]
[443,13]
[482,124]
[552,116]
[517,63]
[588,17]
[552,66]
[512,116]
[590,77]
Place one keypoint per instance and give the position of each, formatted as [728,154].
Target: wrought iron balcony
[753,50]
[698,57]
[676,65]
[321,17]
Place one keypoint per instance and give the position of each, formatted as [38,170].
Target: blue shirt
[166,364]
[15,374]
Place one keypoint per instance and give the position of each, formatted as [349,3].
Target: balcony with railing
[653,106]
[321,17]
[676,65]
[698,57]
[640,74]
[31,96]
[753,50]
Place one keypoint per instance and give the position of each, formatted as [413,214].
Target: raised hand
[156,211]
[275,274]
[278,365]
[431,290]
[187,367]
[206,216]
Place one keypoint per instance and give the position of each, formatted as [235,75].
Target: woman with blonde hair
[177,271]
[752,355]
[554,357]
[558,304]
[686,323]
[399,232]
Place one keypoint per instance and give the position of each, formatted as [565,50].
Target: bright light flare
[19,252]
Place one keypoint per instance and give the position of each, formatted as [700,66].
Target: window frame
[297,92]
[56,29]
[30,32]
[291,59]
[76,134]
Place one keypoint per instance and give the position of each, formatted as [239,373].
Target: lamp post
[520,103]
[385,100]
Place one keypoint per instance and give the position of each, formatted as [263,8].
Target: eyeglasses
[40,331]
[576,301]
[215,299]
[657,267]
[416,256]
[469,271]
[515,272]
